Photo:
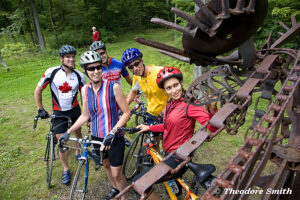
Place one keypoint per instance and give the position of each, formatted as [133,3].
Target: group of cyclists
[103,99]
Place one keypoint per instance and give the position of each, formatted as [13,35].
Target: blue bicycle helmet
[130,55]
[66,49]
[98,45]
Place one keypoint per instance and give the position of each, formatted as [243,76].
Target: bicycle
[129,169]
[80,182]
[147,156]
[49,155]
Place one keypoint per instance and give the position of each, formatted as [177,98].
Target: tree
[36,23]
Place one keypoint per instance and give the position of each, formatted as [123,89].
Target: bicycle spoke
[129,168]
[79,186]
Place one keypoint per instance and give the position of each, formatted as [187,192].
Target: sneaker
[66,177]
[112,194]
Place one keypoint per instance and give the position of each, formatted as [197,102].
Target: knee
[106,163]
[118,175]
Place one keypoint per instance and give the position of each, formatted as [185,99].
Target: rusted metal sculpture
[220,26]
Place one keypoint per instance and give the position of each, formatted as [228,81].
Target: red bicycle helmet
[166,73]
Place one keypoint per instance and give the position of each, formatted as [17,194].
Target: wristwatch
[114,131]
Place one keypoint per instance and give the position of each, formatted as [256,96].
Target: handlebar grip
[129,130]
[35,122]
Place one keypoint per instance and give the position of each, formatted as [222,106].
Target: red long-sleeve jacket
[179,123]
[95,36]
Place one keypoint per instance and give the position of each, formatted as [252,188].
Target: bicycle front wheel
[49,157]
[79,186]
[130,162]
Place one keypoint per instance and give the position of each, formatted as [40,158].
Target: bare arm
[84,117]
[38,96]
[121,100]
[132,94]
[128,79]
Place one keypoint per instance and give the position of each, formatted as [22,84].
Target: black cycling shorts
[116,152]
[61,124]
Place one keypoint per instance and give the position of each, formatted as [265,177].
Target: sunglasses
[102,53]
[91,69]
[134,65]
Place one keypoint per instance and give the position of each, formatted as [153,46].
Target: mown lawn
[22,170]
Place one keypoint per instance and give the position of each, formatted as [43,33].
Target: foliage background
[22,171]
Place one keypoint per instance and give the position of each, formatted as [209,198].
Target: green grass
[22,170]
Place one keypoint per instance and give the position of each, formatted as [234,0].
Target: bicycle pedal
[173,185]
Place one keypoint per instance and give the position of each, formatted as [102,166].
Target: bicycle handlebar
[62,148]
[129,130]
[53,117]
[85,140]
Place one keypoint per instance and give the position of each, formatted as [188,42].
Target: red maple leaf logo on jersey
[65,87]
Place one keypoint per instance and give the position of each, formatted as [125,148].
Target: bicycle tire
[79,186]
[49,157]
[130,161]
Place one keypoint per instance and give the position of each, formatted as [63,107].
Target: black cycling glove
[61,142]
[42,113]
[108,140]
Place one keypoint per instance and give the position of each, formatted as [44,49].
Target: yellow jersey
[156,97]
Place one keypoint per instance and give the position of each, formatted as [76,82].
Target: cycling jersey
[179,123]
[114,70]
[156,97]
[103,108]
[64,89]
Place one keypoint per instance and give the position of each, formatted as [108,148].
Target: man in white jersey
[65,82]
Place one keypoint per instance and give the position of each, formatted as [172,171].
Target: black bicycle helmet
[66,49]
[98,45]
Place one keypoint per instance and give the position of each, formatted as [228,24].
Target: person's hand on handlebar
[62,140]
[143,128]
[42,113]
[108,140]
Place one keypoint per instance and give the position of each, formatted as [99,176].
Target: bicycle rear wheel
[130,161]
[79,186]
[49,158]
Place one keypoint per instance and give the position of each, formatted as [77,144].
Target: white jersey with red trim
[64,89]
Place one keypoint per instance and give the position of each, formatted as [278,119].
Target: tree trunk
[52,19]
[75,23]
[35,41]
[40,36]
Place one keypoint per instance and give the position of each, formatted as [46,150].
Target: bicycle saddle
[202,171]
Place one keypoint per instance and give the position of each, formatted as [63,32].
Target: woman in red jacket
[178,121]
[179,117]
[96,36]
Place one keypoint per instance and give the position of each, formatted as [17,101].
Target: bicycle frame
[85,156]
[157,158]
